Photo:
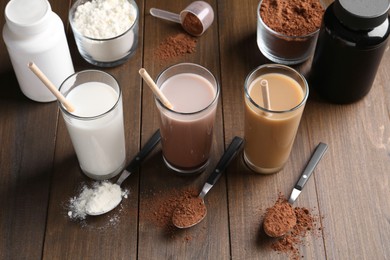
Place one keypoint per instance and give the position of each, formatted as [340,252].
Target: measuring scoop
[281,223]
[133,165]
[195,19]
[181,218]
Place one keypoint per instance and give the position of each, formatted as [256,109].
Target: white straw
[145,75]
[34,68]
[265,93]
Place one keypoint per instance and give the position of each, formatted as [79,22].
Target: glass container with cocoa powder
[287,31]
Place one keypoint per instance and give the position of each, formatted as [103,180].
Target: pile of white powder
[104,19]
[102,196]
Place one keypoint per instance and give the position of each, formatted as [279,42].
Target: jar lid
[363,15]
[28,17]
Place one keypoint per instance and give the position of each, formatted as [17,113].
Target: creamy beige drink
[270,133]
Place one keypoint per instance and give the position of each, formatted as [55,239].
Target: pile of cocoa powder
[306,223]
[161,206]
[192,24]
[279,219]
[189,211]
[176,45]
[292,17]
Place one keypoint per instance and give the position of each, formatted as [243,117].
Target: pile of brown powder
[192,24]
[176,45]
[306,223]
[160,208]
[292,17]
[189,211]
[279,219]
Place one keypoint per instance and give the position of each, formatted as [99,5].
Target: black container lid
[362,14]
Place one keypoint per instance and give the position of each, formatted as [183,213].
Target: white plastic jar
[34,33]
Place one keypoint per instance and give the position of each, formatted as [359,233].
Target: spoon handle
[135,163]
[226,158]
[316,157]
[165,15]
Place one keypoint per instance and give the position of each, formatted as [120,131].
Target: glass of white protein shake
[96,126]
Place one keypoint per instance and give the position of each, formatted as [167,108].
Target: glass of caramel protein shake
[271,123]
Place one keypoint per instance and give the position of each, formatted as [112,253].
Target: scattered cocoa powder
[306,223]
[292,17]
[160,207]
[279,219]
[189,211]
[192,24]
[176,45]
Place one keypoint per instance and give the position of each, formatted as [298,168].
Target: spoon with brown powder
[280,218]
[195,18]
[192,210]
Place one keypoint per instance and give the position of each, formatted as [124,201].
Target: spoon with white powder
[105,196]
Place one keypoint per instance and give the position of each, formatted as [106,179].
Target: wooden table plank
[114,235]
[199,242]
[249,193]
[354,189]
[27,137]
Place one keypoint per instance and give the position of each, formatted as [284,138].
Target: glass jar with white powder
[106,31]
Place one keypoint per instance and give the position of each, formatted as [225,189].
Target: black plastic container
[350,46]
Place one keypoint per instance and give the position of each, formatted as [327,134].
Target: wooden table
[39,171]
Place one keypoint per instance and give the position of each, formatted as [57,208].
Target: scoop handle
[314,160]
[165,15]
[226,158]
[135,163]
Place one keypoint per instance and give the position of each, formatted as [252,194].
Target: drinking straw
[34,68]
[145,75]
[265,93]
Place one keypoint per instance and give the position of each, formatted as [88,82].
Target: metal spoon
[133,165]
[307,172]
[227,157]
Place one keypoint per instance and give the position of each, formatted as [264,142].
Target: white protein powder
[104,19]
[102,196]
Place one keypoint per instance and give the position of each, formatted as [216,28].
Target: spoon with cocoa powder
[195,18]
[192,209]
[280,218]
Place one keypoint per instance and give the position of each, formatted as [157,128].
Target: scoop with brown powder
[279,219]
[307,223]
[195,18]
[192,24]
[192,209]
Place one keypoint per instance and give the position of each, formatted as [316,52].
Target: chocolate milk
[187,130]
[270,135]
